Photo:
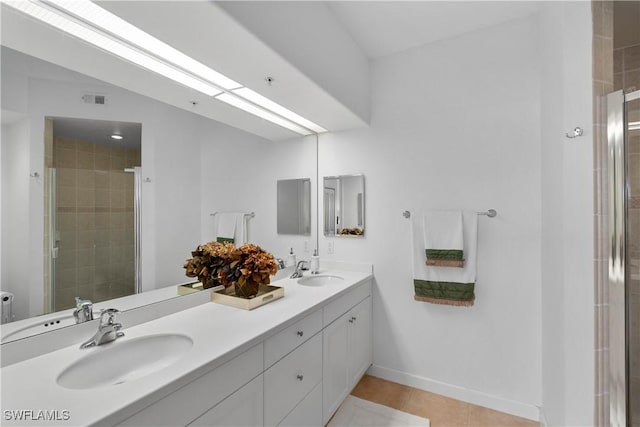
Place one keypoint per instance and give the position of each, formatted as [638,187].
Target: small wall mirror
[294,206]
[343,205]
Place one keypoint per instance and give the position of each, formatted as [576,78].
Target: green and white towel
[445,285]
[444,238]
[226,229]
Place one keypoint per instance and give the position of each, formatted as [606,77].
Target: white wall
[455,125]
[15,217]
[567,215]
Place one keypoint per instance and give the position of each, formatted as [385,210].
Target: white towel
[437,276]
[226,230]
[444,238]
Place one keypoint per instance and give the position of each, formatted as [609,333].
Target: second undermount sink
[124,361]
[320,280]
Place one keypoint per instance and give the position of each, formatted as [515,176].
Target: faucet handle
[83,311]
[81,303]
[108,316]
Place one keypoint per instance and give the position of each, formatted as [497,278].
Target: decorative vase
[248,289]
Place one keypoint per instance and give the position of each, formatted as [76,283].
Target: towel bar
[250,214]
[490,213]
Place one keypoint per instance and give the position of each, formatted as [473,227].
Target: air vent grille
[93,98]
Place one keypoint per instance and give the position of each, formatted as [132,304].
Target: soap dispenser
[291,260]
[315,262]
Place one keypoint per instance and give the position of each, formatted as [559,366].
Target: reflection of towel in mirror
[445,285]
[226,228]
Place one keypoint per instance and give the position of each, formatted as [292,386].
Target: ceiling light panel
[91,23]
[112,46]
[240,103]
[260,100]
[113,24]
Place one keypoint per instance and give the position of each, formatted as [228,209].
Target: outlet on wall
[330,247]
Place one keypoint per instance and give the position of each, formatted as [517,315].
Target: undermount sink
[124,361]
[321,280]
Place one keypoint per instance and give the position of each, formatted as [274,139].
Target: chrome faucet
[108,330]
[299,270]
[84,310]
[280,263]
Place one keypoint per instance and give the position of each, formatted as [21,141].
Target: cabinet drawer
[338,307]
[189,402]
[243,408]
[284,341]
[287,382]
[308,413]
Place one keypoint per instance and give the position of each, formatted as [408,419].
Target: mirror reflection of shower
[91,218]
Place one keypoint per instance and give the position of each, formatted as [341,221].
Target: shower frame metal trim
[618,189]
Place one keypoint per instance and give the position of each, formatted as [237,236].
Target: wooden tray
[266,294]
[190,288]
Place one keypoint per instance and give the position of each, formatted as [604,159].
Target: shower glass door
[623,142]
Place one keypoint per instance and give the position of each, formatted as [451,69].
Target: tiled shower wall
[626,68]
[602,84]
[94,221]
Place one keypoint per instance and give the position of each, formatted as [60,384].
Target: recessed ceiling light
[116,136]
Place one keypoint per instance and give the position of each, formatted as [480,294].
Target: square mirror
[294,206]
[343,198]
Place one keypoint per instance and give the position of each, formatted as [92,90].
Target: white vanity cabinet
[290,380]
[297,376]
[186,404]
[346,355]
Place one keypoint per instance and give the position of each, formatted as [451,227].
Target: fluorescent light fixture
[240,103]
[260,100]
[90,12]
[91,23]
[634,125]
[116,136]
[112,46]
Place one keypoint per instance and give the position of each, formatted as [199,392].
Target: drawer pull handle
[300,377]
[300,333]
[354,318]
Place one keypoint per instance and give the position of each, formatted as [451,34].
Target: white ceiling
[199,28]
[383,28]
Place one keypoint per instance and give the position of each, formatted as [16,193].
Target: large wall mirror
[294,206]
[343,201]
[191,166]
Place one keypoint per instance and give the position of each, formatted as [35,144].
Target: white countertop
[219,333]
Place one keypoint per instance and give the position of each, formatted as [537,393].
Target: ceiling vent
[93,98]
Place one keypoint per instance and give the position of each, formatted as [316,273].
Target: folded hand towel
[444,285]
[443,238]
[226,228]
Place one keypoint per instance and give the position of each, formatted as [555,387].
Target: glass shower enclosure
[623,138]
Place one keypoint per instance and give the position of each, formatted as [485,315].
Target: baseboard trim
[511,407]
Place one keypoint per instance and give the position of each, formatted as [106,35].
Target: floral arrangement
[245,267]
[352,231]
